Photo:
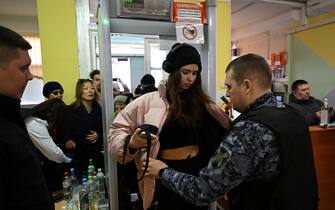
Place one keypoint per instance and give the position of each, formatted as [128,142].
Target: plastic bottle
[101,183]
[91,165]
[92,189]
[134,201]
[324,119]
[74,180]
[103,204]
[90,171]
[67,187]
[76,198]
[95,180]
[83,195]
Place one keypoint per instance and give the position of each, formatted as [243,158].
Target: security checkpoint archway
[114,19]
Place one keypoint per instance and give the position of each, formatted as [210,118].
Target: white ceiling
[18,7]
[251,17]
[245,13]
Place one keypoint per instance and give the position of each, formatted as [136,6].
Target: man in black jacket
[307,105]
[265,162]
[22,184]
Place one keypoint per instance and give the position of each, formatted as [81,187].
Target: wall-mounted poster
[189,18]
[279,79]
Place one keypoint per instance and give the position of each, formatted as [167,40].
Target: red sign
[190,12]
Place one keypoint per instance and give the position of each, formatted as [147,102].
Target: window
[35,55]
[33,92]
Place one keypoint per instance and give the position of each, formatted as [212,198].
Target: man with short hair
[95,77]
[22,184]
[308,106]
[265,161]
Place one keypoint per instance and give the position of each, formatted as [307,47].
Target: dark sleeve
[211,135]
[72,123]
[3,170]
[99,121]
[309,115]
[76,124]
[312,118]
[317,105]
[233,162]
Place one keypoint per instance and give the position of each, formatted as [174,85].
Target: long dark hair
[186,105]
[79,90]
[55,112]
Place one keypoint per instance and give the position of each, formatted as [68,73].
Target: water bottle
[91,165]
[67,187]
[74,180]
[101,183]
[92,190]
[90,171]
[324,119]
[95,180]
[76,198]
[83,195]
[134,201]
[103,204]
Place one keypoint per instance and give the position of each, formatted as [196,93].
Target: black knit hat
[51,86]
[181,55]
[147,80]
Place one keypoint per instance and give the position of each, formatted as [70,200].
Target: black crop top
[175,134]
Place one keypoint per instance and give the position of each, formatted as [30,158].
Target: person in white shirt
[39,134]
[47,126]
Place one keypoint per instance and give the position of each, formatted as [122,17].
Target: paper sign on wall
[191,12]
[189,18]
[190,33]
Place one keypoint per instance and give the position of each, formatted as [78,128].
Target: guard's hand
[154,167]
[139,140]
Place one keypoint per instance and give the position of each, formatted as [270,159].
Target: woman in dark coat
[86,127]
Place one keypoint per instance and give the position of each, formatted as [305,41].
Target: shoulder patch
[220,156]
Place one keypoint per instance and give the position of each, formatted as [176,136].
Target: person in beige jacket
[190,127]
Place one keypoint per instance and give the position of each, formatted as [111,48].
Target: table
[323,143]
[60,205]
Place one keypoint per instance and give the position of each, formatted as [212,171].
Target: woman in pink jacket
[190,127]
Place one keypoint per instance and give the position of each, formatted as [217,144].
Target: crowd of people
[175,148]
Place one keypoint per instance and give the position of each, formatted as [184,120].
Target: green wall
[312,58]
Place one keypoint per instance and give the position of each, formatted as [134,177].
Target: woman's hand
[93,137]
[70,144]
[139,140]
[154,167]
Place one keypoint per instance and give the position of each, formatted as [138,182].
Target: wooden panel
[323,141]
[60,205]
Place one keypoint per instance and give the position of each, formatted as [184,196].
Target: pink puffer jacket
[151,108]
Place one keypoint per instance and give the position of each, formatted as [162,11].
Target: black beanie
[181,55]
[147,80]
[51,86]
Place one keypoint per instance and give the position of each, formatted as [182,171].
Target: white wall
[264,44]
[26,25]
[33,92]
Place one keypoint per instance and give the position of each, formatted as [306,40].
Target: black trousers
[167,199]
